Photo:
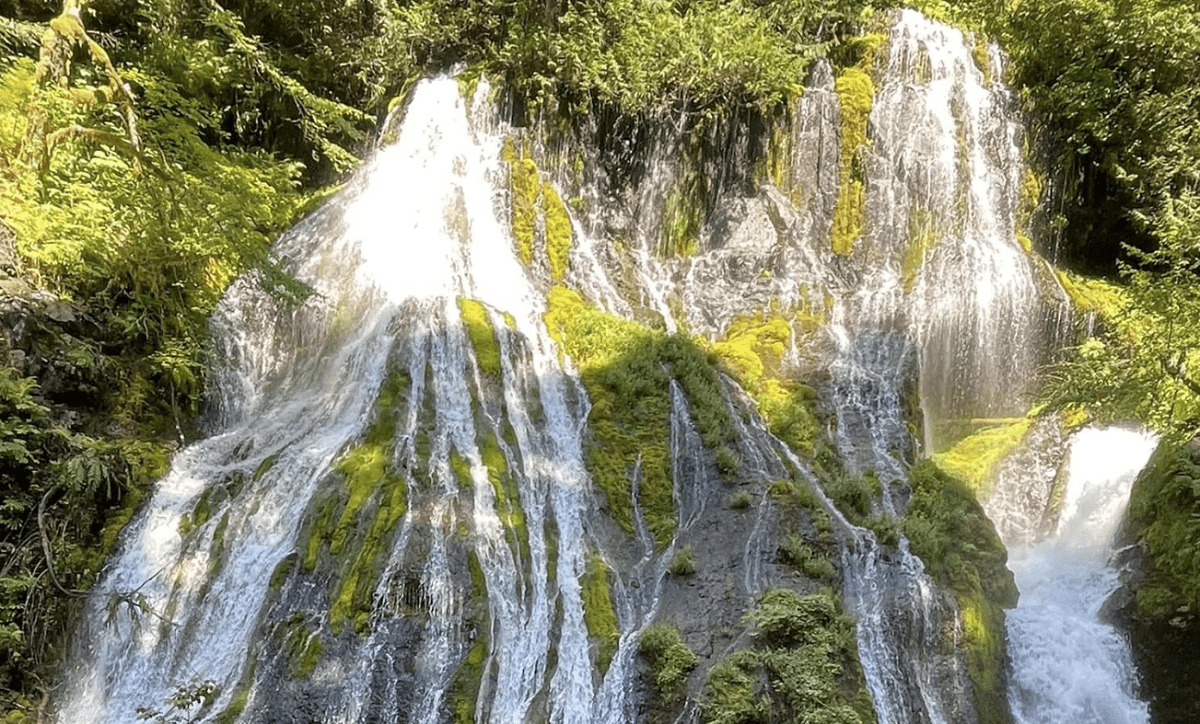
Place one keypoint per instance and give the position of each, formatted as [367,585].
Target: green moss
[921,242]
[524,185]
[241,696]
[740,500]
[375,499]
[558,233]
[282,570]
[682,563]
[856,94]
[201,513]
[1162,515]
[948,529]
[669,658]
[803,664]
[507,495]
[753,351]
[979,52]
[1097,296]
[598,614]
[265,467]
[461,469]
[302,646]
[974,459]
[482,336]
[627,370]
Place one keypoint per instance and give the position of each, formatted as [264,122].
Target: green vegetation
[1162,515]
[482,336]
[464,687]
[856,95]
[682,563]
[302,645]
[740,500]
[627,370]
[373,501]
[795,552]
[803,666]
[942,515]
[669,658]
[753,351]
[598,613]
[558,233]
[975,458]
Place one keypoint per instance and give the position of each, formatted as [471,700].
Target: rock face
[1163,628]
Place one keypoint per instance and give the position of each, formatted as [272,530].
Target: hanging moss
[460,467]
[558,233]
[856,93]
[974,459]
[482,336]
[598,614]
[524,186]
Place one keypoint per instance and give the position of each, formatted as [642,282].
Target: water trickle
[1066,664]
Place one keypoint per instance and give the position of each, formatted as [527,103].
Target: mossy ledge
[948,530]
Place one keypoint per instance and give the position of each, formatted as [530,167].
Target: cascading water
[392,520]
[1067,666]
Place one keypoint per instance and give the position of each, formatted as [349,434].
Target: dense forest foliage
[150,151]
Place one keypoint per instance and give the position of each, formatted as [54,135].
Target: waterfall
[1066,664]
[391,519]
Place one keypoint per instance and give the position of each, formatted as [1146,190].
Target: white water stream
[1067,666]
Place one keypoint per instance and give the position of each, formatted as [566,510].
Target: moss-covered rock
[948,529]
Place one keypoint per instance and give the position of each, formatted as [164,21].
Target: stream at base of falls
[1067,665]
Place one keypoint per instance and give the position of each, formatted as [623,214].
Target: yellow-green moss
[460,467]
[948,529]
[303,647]
[974,458]
[372,483]
[525,183]
[856,94]
[921,242]
[241,696]
[753,351]
[627,370]
[464,687]
[482,336]
[598,613]
[983,61]
[1097,296]
[558,233]
[507,494]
